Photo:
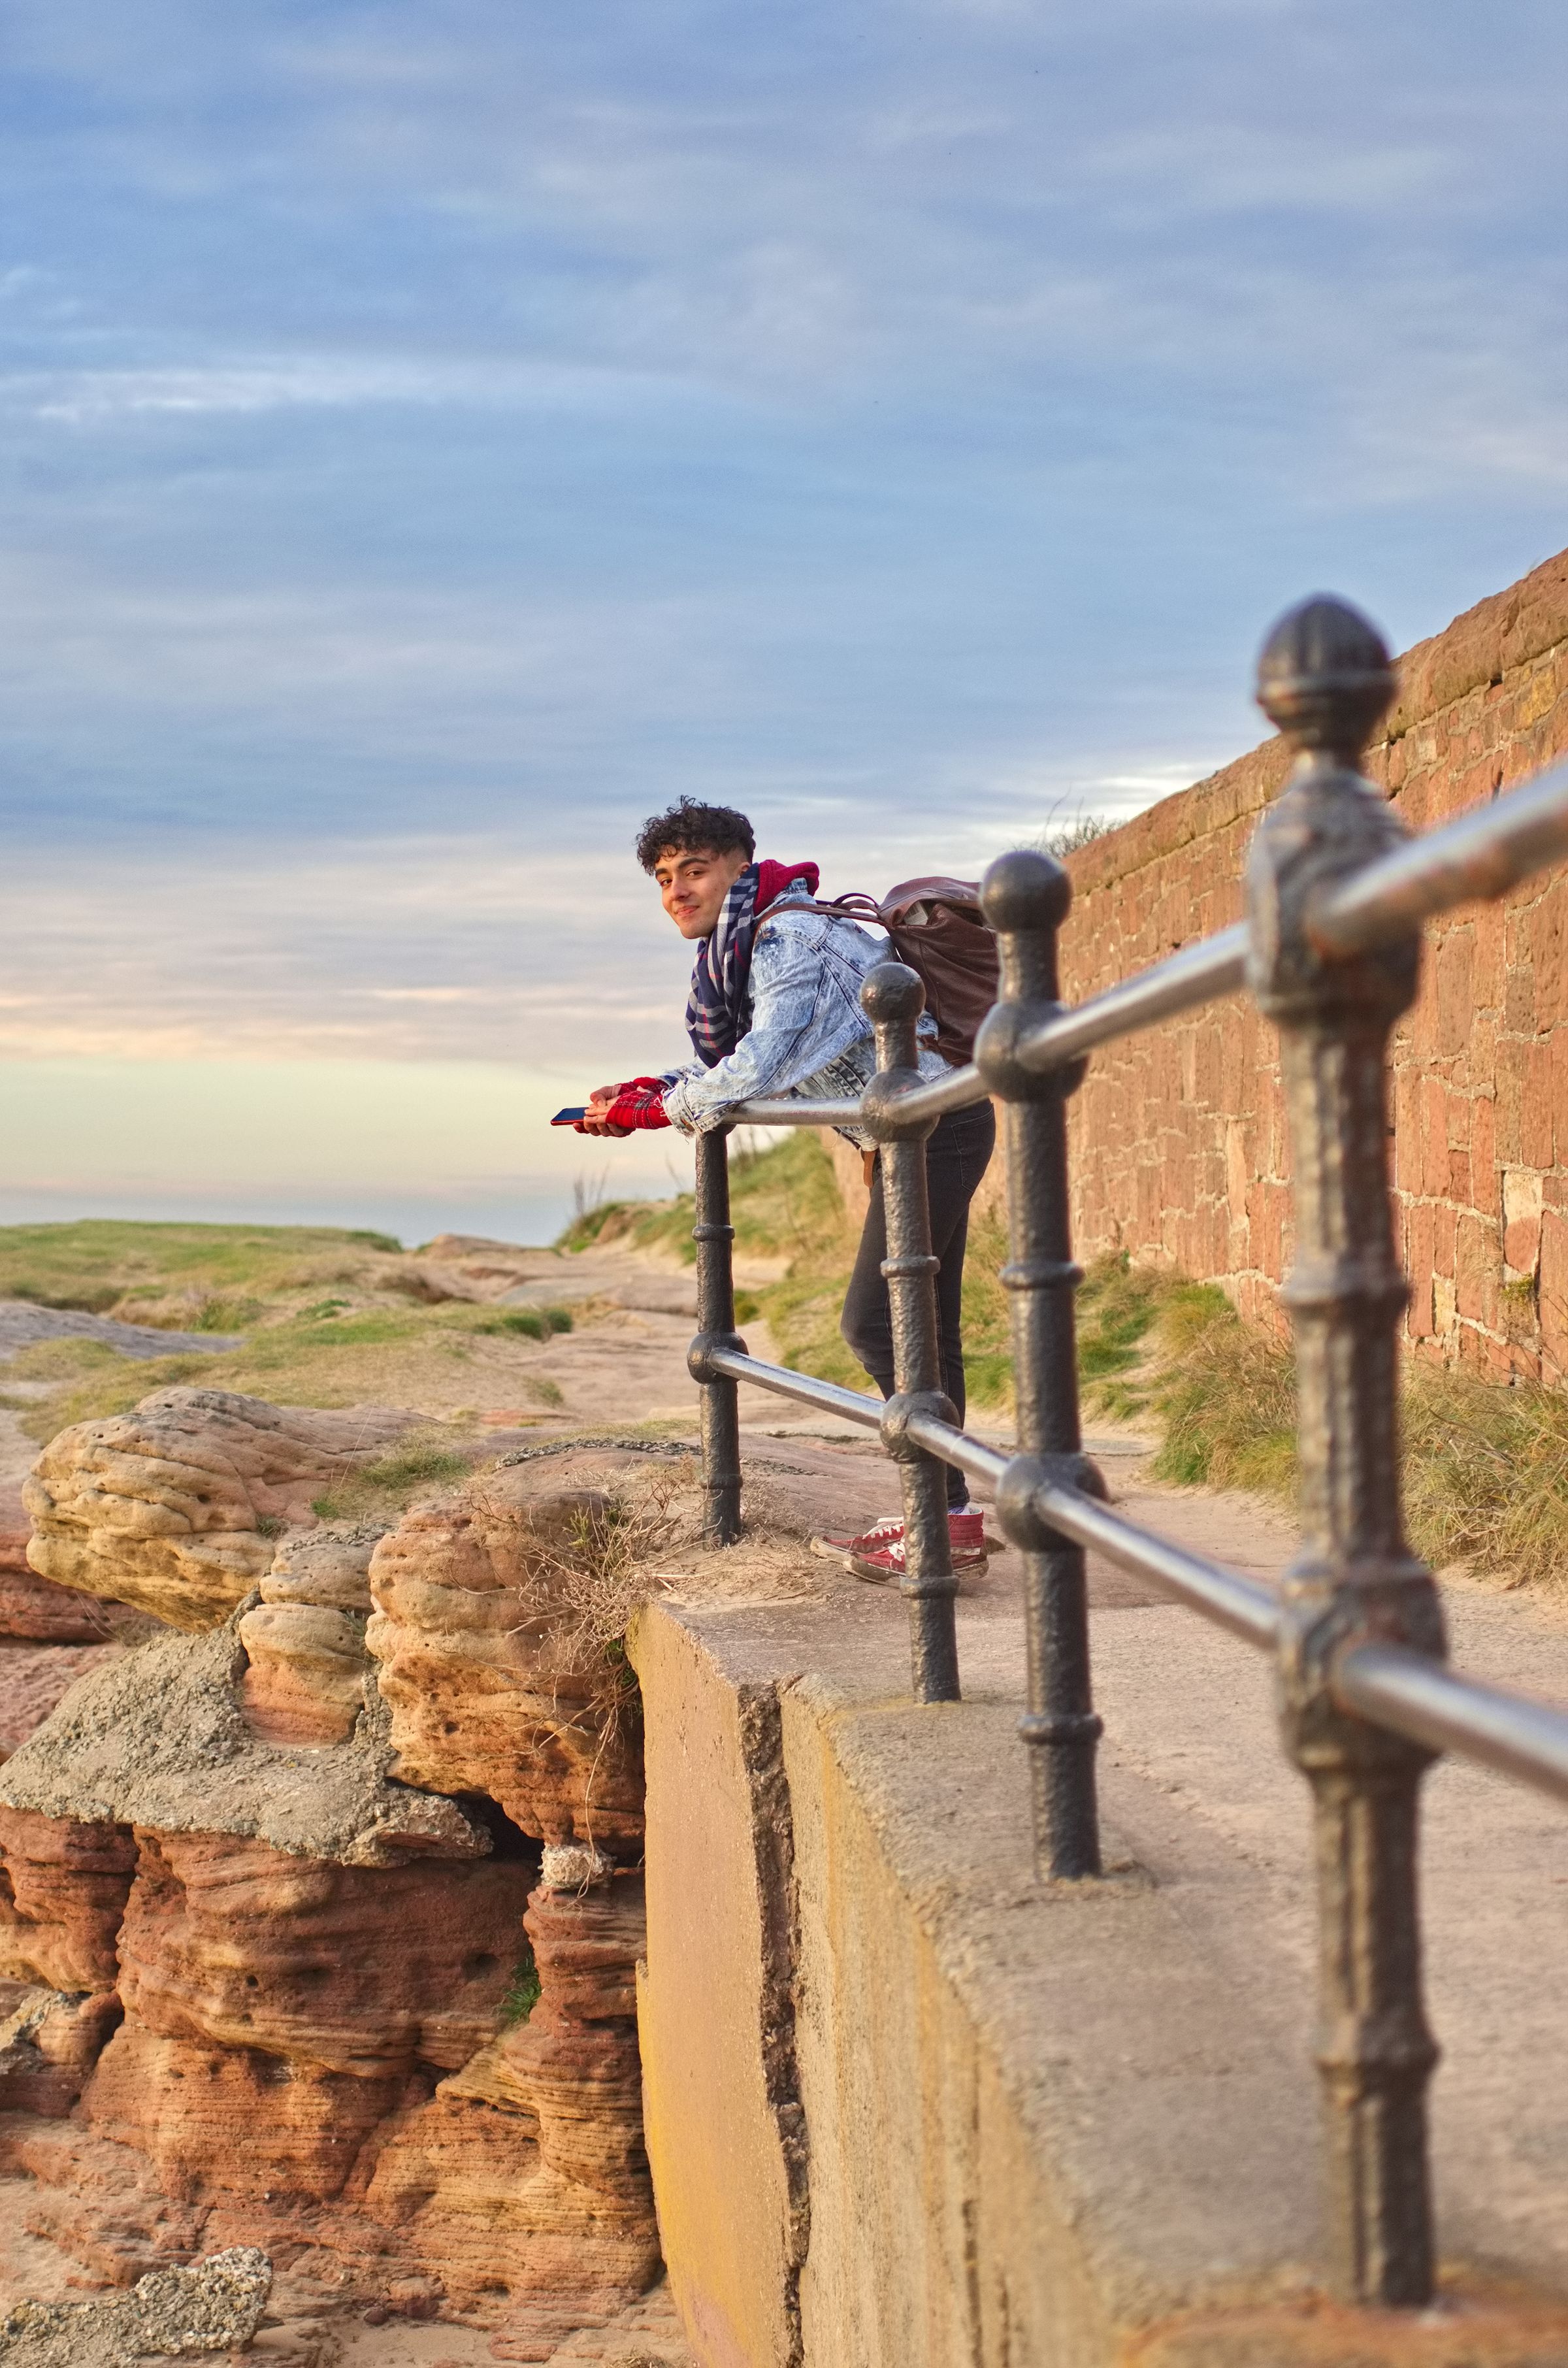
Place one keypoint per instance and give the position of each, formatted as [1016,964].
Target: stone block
[1070,2125]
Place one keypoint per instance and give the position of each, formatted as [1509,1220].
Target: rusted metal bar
[894,999]
[1024,898]
[782,1111]
[1407,1692]
[720,1418]
[1478,855]
[1324,678]
[1221,1595]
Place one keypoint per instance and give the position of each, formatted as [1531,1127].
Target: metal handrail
[1216,965]
[1355,1629]
[1417,1696]
[1480,854]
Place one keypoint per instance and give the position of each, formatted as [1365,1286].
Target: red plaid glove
[639,1103]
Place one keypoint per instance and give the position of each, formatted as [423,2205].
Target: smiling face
[693,884]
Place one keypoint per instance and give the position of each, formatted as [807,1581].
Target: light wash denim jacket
[809,1038]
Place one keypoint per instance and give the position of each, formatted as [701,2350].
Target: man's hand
[596,1115]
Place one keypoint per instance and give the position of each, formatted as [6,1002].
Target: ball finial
[1025,890]
[892,991]
[1324,677]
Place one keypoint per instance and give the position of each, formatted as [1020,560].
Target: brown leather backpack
[936,927]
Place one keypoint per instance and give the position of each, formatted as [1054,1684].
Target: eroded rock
[360,1970]
[50,2041]
[269,1985]
[175,1507]
[495,1681]
[304,1642]
[64,1885]
[158,1739]
[216,2305]
[539,2137]
[36,1607]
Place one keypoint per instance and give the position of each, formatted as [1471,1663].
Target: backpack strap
[853,906]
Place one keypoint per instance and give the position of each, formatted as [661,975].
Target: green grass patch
[318,1320]
[522,1991]
[1220,1395]
[416,1465]
[784,1203]
[530,1323]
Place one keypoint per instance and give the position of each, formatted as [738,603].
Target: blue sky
[434,435]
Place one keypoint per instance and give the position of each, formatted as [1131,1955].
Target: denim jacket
[809,1038]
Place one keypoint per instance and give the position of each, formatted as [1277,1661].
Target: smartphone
[570,1117]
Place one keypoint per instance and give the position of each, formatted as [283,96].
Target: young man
[774,1011]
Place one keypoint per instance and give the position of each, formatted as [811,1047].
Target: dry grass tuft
[643,1541]
[1486,1475]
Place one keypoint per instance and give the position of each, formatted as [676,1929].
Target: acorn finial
[1025,890]
[1324,677]
[892,991]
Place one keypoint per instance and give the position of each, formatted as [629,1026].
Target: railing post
[894,999]
[1026,897]
[1324,679]
[720,1431]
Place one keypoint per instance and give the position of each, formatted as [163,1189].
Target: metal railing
[1335,893]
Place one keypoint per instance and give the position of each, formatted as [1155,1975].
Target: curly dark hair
[690,828]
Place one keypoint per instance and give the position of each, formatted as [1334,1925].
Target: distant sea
[534,1218]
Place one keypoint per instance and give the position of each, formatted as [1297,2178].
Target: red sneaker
[839,1547]
[880,1558]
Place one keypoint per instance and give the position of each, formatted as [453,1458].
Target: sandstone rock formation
[175,1507]
[33,1678]
[35,1608]
[257,1988]
[559,2096]
[488,1656]
[64,1885]
[50,2041]
[157,1739]
[304,1642]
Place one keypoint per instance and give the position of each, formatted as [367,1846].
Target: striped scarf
[717,1009]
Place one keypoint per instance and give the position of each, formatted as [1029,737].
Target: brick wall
[1179,1151]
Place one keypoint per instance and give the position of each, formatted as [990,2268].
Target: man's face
[693,884]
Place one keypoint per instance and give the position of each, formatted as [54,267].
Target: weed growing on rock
[522,1991]
[418,1463]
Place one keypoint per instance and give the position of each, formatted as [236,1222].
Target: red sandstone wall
[1179,1152]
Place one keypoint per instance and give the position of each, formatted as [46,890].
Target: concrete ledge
[908,2106]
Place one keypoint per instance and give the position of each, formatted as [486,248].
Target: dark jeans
[957,1157]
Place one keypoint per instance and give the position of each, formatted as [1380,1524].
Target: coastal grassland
[186,1277]
[335,1317]
[327,1318]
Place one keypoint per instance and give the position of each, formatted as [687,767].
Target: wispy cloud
[434,436]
